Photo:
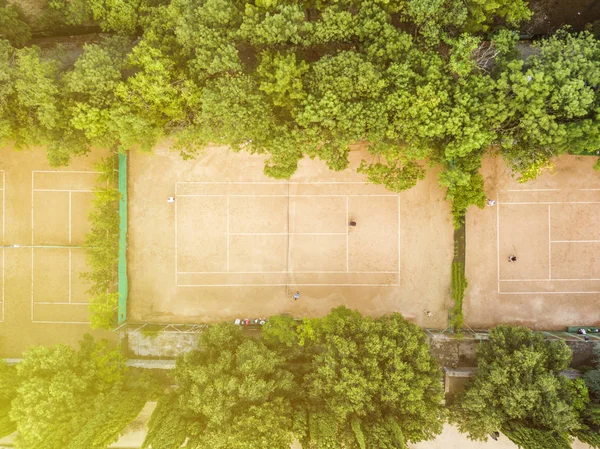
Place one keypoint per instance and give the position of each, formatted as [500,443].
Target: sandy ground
[451,438]
[551,225]
[237,244]
[42,284]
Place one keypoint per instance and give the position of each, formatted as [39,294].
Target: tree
[13,25]
[8,391]
[518,389]
[58,390]
[371,382]
[234,393]
[553,101]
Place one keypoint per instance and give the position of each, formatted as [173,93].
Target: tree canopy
[74,399]
[370,382]
[232,393]
[418,82]
[518,390]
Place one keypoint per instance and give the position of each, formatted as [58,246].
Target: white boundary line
[3,238]
[575,241]
[284,272]
[549,245]
[33,190]
[550,280]
[550,241]
[228,235]
[275,182]
[498,236]
[67,171]
[64,190]
[549,202]
[548,293]
[176,241]
[261,195]
[49,303]
[347,235]
[283,285]
[177,273]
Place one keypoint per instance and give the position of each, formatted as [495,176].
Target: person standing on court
[296,295]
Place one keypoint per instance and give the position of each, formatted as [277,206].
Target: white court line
[347,236]
[228,235]
[70,276]
[3,237]
[549,280]
[260,195]
[548,293]
[61,322]
[283,285]
[549,246]
[286,233]
[283,233]
[274,182]
[574,241]
[32,303]
[550,202]
[176,241]
[70,191]
[64,190]
[498,236]
[49,303]
[68,171]
[398,237]
[533,190]
[283,272]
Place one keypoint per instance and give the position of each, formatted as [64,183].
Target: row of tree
[419,82]
[344,381]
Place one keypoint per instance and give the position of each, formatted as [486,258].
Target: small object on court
[428,313]
[171,199]
[16,245]
[512,258]
[491,202]
[352,223]
[296,295]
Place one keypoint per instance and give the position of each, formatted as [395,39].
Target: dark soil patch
[550,15]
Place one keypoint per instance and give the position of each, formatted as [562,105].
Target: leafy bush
[13,25]
[102,247]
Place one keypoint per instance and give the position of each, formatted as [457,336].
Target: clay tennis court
[237,244]
[551,226]
[43,226]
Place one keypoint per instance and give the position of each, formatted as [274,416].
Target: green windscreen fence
[123,284]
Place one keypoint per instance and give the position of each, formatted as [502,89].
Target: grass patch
[459,285]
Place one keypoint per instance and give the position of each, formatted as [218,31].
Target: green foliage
[8,391]
[233,388]
[167,428]
[102,247]
[120,16]
[114,411]
[552,101]
[13,25]
[356,400]
[517,383]
[529,438]
[459,285]
[58,391]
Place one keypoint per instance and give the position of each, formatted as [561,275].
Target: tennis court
[236,244]
[44,223]
[551,226]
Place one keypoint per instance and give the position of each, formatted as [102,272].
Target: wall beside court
[122,269]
